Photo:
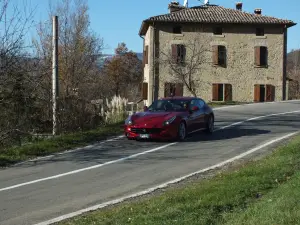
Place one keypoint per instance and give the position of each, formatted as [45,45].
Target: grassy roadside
[57,144]
[261,192]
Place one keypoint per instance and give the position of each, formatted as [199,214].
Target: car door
[201,115]
[193,116]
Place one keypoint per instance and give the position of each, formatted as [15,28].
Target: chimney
[174,6]
[239,6]
[257,11]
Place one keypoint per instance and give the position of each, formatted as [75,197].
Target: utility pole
[54,72]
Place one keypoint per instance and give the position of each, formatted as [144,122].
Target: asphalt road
[32,203]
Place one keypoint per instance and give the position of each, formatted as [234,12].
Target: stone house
[245,54]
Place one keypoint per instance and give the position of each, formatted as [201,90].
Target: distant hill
[101,59]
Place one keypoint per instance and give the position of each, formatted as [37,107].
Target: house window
[264,93]
[145,56]
[173,89]
[178,53]
[218,31]
[145,91]
[260,32]
[261,56]
[219,55]
[177,30]
[222,92]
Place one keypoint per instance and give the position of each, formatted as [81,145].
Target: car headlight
[128,121]
[169,121]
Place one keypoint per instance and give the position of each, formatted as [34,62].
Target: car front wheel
[210,125]
[181,131]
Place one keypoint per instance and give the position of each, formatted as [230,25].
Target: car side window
[192,104]
[200,103]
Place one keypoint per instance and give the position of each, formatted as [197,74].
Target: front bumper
[137,132]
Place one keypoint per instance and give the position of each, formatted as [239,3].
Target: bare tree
[78,50]
[124,72]
[16,80]
[293,72]
[184,62]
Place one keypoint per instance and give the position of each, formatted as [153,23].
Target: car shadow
[228,133]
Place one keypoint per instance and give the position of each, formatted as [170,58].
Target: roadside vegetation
[114,116]
[89,82]
[259,192]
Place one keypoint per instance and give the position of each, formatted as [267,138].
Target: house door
[270,93]
[264,93]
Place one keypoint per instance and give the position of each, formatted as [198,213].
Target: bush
[115,111]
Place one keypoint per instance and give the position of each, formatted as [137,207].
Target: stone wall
[240,71]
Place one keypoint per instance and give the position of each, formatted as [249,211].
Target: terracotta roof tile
[217,14]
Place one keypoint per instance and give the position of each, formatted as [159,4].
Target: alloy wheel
[182,131]
[211,124]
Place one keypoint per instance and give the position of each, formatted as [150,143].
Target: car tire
[181,133]
[210,125]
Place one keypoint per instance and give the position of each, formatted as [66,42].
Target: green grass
[57,144]
[261,192]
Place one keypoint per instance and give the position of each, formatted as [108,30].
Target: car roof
[179,98]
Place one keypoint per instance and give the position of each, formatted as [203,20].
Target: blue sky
[119,21]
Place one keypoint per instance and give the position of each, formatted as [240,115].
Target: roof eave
[144,28]
[290,25]
[208,22]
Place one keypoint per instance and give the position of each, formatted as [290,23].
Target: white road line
[257,118]
[87,168]
[251,104]
[164,185]
[129,157]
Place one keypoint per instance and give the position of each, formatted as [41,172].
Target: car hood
[152,117]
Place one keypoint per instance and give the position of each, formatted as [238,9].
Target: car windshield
[169,105]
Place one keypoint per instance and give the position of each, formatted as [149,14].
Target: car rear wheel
[181,131]
[210,125]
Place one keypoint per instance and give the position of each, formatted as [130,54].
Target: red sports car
[170,118]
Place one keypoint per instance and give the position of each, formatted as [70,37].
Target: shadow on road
[229,133]
[123,148]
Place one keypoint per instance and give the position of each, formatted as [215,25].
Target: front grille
[145,130]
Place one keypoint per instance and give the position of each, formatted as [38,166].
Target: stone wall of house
[148,68]
[240,72]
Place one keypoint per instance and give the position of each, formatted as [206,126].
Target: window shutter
[145,91]
[174,53]
[146,54]
[215,54]
[270,93]
[215,92]
[167,89]
[179,89]
[256,93]
[257,55]
[182,53]
[228,92]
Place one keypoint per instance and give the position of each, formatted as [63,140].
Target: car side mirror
[145,108]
